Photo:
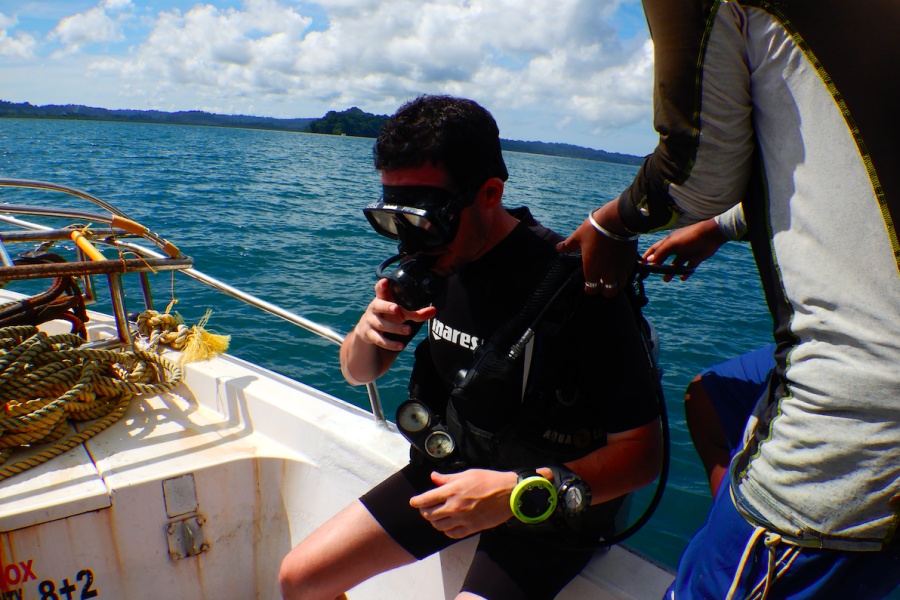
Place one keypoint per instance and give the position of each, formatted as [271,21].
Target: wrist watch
[534,498]
[573,491]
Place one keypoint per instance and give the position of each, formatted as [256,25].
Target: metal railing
[115,286]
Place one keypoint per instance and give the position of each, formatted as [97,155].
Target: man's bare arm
[366,353]
[629,461]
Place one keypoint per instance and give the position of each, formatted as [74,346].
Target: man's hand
[384,316]
[691,245]
[366,353]
[607,262]
[468,502]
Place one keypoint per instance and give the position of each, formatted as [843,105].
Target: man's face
[472,235]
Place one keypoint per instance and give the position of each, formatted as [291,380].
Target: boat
[198,492]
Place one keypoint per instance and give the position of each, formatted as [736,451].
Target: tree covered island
[351,122]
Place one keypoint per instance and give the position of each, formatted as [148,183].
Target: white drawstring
[740,569]
[772,541]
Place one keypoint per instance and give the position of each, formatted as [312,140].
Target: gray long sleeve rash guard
[788,108]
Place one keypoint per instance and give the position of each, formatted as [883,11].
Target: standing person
[553,424]
[788,108]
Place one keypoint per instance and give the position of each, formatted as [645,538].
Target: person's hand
[468,502]
[607,262]
[384,316]
[691,245]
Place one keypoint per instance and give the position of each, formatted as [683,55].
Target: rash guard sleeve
[702,112]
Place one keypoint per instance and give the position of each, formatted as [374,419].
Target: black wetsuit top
[589,375]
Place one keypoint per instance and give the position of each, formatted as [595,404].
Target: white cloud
[116,4]
[88,27]
[18,47]
[559,55]
[7,22]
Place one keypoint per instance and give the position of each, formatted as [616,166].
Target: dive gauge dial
[413,417]
[439,444]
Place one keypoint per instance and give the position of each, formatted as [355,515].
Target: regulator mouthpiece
[412,284]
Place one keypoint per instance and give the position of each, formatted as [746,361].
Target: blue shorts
[709,563]
[734,386]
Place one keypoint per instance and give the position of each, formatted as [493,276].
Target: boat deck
[262,460]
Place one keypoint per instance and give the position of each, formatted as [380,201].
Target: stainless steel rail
[311,326]
[66,213]
[44,185]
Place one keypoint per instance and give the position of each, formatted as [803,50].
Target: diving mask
[420,217]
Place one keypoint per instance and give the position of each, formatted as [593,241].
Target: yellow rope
[45,380]
[195,343]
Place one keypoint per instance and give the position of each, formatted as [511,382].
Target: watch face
[574,499]
[535,502]
[439,444]
[413,417]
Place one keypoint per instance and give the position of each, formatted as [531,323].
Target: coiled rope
[45,380]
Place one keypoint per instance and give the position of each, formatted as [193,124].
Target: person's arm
[629,461]
[696,243]
[478,499]
[608,255]
[366,353]
[702,110]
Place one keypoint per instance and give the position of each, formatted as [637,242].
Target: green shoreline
[352,122]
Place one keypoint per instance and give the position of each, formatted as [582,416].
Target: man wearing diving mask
[539,458]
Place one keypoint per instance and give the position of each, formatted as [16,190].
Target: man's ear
[491,193]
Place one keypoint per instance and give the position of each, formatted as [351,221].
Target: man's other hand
[690,245]
[607,262]
[468,502]
[384,316]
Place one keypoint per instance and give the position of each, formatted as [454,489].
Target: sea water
[279,215]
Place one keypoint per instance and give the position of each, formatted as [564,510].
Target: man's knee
[694,390]
[696,408]
[302,576]
[292,576]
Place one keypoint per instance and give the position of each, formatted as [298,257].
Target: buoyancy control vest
[556,421]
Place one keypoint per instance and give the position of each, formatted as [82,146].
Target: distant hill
[351,122]
[570,151]
[354,122]
[192,117]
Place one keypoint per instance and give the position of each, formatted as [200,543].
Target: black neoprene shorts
[509,564]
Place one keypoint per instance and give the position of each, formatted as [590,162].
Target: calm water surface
[279,215]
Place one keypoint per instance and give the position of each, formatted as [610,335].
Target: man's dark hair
[455,133]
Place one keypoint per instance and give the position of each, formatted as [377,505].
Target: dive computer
[573,491]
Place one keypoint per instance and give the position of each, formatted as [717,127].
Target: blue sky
[572,71]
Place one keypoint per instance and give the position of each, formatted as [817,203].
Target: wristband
[610,234]
[533,499]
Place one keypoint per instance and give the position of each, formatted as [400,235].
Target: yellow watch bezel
[526,485]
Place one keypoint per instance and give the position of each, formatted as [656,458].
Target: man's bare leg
[350,548]
[706,433]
